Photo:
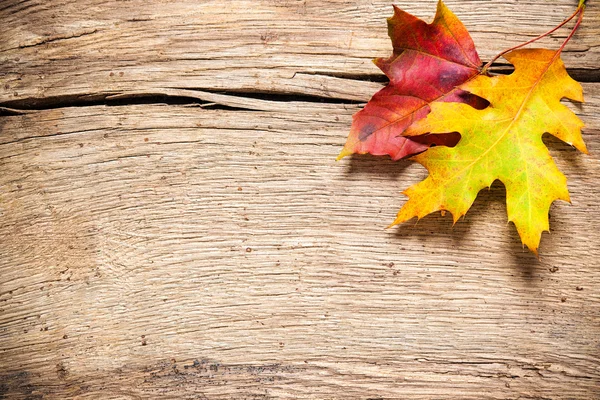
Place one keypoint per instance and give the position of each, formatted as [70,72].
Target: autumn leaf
[428,63]
[504,142]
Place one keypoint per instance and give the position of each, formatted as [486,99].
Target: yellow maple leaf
[504,142]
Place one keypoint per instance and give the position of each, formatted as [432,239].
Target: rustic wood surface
[173,223]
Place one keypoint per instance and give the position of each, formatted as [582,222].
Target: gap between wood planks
[225,100]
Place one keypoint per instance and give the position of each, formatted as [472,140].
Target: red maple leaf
[428,63]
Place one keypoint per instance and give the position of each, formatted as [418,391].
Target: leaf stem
[578,11]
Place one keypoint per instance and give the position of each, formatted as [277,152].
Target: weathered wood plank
[186,252]
[308,47]
[180,252]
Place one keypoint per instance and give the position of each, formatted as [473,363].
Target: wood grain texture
[211,248]
[308,47]
[177,251]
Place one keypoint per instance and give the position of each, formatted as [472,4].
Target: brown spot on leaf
[366,131]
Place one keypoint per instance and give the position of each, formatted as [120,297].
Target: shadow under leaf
[489,209]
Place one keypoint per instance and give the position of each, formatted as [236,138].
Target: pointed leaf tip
[344,153]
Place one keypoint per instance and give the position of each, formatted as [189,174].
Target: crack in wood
[226,100]
[23,106]
[223,99]
[51,39]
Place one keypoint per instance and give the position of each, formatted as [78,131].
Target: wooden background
[174,225]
